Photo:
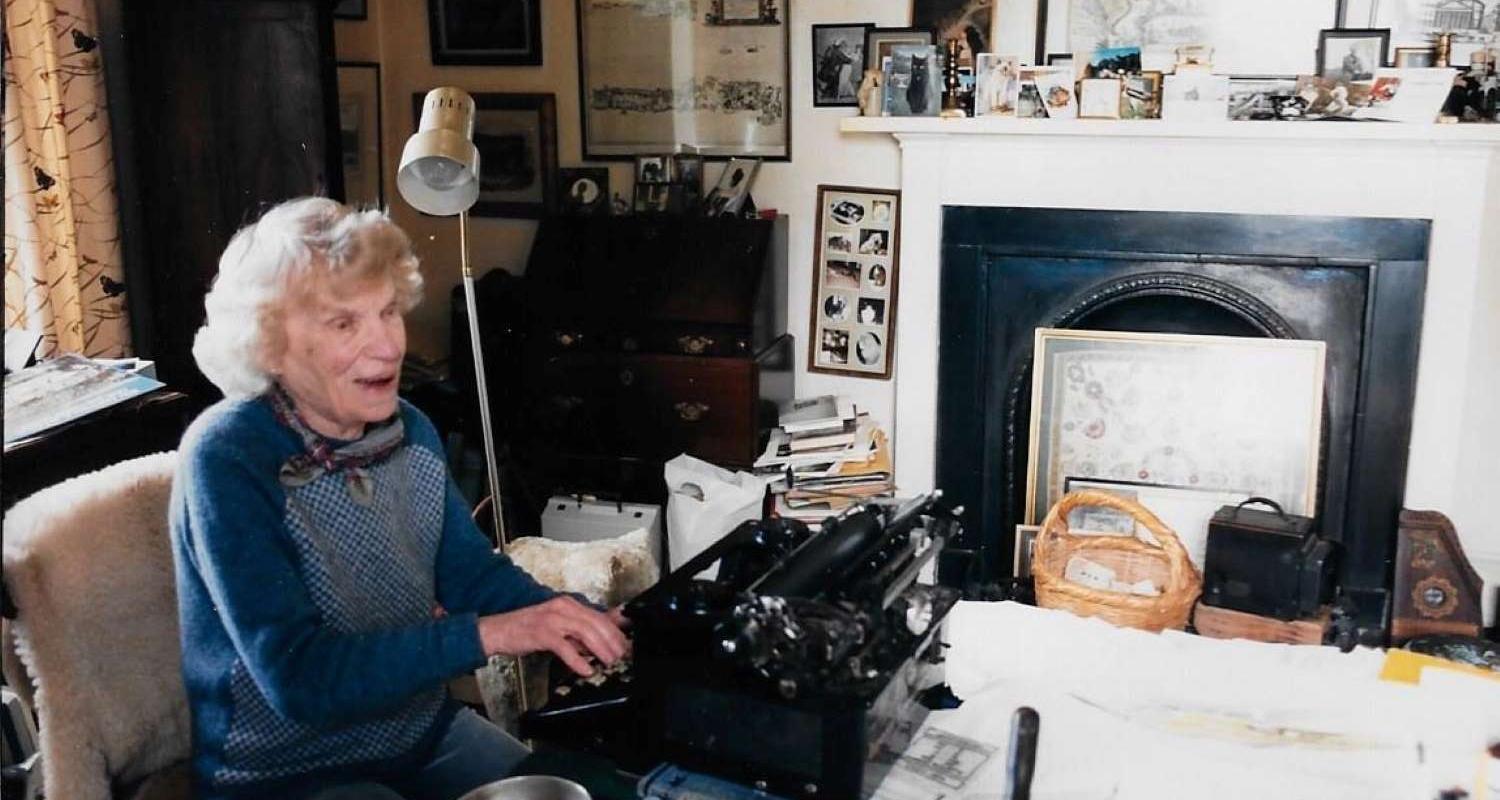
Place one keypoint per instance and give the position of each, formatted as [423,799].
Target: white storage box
[573,519]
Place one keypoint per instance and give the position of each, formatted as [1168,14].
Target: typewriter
[783,659]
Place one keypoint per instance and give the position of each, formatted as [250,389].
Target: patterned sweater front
[310,646]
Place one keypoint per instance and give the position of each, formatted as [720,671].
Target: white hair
[294,247]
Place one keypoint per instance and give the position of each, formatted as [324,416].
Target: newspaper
[63,389]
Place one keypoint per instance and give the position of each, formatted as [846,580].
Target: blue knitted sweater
[310,648]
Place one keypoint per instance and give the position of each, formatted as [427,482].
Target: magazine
[63,389]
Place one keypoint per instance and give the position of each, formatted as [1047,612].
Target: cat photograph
[914,81]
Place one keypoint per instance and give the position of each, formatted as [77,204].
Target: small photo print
[869,349]
[836,308]
[834,347]
[840,243]
[880,212]
[652,169]
[871,311]
[876,276]
[841,275]
[848,212]
[873,242]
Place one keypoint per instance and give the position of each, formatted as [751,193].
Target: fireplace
[1355,283]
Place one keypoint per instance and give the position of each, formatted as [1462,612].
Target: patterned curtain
[63,275]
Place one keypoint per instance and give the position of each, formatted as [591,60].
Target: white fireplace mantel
[1449,174]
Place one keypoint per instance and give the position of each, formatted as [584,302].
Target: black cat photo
[914,81]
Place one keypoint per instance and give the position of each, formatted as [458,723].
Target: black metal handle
[1020,764]
[1263,501]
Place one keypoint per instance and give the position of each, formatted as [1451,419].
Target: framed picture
[1099,98]
[879,41]
[1415,57]
[913,81]
[1175,410]
[657,198]
[1141,96]
[485,32]
[653,169]
[1057,91]
[1250,37]
[729,194]
[1263,98]
[664,77]
[1184,509]
[584,190]
[351,9]
[1414,23]
[1352,54]
[838,63]
[998,87]
[968,21]
[687,169]
[1331,97]
[1113,62]
[517,139]
[853,314]
[359,133]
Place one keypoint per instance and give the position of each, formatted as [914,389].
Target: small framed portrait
[913,81]
[656,198]
[879,41]
[838,63]
[1140,96]
[584,191]
[485,32]
[1352,54]
[653,169]
[1415,57]
[853,314]
[728,195]
[687,169]
[1099,98]
[516,135]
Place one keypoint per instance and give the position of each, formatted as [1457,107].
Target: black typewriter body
[794,669]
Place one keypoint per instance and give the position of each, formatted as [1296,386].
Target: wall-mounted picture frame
[1352,54]
[742,12]
[1414,57]
[660,78]
[583,191]
[517,139]
[1415,23]
[968,21]
[485,32]
[852,321]
[1189,397]
[879,41]
[838,59]
[359,133]
[351,9]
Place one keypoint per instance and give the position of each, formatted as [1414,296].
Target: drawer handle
[626,377]
[694,345]
[567,338]
[691,412]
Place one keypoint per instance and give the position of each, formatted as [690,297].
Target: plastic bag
[704,502]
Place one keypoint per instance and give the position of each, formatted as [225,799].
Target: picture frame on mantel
[516,135]
[852,321]
[485,32]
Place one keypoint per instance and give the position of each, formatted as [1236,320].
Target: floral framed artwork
[359,133]
[855,269]
[485,32]
[1175,410]
[517,139]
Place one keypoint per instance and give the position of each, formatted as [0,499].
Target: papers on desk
[63,389]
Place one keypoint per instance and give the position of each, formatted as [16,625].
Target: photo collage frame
[853,314]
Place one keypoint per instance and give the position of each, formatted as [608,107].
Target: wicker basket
[1165,563]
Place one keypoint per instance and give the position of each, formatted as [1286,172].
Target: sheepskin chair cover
[89,564]
[606,571]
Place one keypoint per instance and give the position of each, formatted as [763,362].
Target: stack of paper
[825,457]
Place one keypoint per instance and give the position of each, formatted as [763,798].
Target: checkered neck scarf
[325,455]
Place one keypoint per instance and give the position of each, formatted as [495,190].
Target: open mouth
[381,382]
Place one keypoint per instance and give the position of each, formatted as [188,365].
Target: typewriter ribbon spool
[1164,562]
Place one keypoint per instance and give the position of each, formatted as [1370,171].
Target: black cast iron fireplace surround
[1355,283]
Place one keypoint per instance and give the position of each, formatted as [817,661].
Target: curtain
[63,274]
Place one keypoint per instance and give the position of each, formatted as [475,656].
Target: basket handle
[1169,546]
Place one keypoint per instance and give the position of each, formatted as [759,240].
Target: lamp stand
[481,386]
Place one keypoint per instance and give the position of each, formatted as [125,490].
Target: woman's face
[342,360]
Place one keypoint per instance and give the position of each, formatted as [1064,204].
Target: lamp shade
[439,172]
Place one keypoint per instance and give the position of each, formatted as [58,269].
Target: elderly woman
[330,579]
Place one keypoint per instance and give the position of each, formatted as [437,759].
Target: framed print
[1099,98]
[485,32]
[1175,410]
[666,77]
[913,81]
[517,139]
[1184,509]
[584,190]
[879,41]
[852,321]
[1415,57]
[1141,96]
[968,21]
[998,87]
[729,194]
[657,198]
[1250,37]
[1414,23]
[838,63]
[359,133]
[653,169]
[351,9]
[1352,54]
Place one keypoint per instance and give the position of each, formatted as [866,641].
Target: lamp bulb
[438,173]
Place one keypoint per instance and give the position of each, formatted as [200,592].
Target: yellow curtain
[63,277]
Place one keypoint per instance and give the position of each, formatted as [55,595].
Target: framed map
[667,76]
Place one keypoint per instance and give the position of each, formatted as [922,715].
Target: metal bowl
[529,787]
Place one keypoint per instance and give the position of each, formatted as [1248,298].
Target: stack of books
[825,457]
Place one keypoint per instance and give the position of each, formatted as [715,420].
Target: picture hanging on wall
[879,41]
[516,135]
[838,63]
[856,254]
[485,32]
[359,133]
[968,21]
[1414,23]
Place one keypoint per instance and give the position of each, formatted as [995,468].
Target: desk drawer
[682,404]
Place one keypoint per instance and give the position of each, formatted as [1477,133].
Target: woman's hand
[567,628]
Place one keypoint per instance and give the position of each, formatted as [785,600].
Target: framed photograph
[1185,509]
[1141,96]
[1250,37]
[998,87]
[1099,98]
[351,9]
[517,139]
[687,169]
[853,314]
[584,190]
[653,169]
[879,41]
[1264,98]
[1331,97]
[728,195]
[359,133]
[1175,410]
[485,32]
[664,77]
[1059,59]
[838,63]
[913,81]
[1114,62]
[1352,54]
[968,21]
[1024,547]
[1415,57]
